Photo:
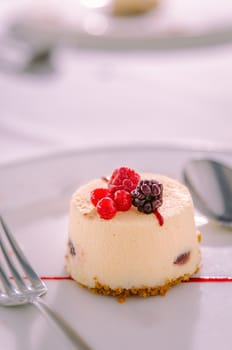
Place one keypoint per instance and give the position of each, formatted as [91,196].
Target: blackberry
[147,197]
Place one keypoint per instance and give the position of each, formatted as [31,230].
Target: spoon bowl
[210,183]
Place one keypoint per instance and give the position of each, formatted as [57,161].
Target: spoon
[210,184]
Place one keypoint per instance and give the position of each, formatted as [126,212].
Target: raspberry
[106,208]
[98,194]
[123,179]
[122,200]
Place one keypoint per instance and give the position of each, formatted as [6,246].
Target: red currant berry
[122,200]
[106,208]
[98,194]
[123,179]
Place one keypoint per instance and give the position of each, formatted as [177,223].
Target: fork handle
[60,323]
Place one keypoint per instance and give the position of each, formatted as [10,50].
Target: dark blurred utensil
[210,184]
[19,57]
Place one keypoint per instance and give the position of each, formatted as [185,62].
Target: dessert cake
[132,234]
[132,7]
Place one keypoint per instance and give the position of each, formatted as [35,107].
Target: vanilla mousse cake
[132,234]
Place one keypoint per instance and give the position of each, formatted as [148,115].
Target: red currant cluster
[117,197]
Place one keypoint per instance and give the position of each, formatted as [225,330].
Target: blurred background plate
[90,23]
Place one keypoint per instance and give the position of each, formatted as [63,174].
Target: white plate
[35,200]
[89,23]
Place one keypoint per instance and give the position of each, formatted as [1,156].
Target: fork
[19,290]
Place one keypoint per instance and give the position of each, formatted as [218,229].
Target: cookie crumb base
[144,291]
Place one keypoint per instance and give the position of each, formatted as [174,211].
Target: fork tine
[17,277]
[5,281]
[31,274]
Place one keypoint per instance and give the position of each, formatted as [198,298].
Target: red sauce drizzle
[159,217]
[56,278]
[192,279]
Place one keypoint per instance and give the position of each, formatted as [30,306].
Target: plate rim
[172,147]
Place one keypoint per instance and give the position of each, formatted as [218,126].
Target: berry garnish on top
[147,196]
[98,194]
[106,208]
[123,179]
[122,200]
[124,189]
